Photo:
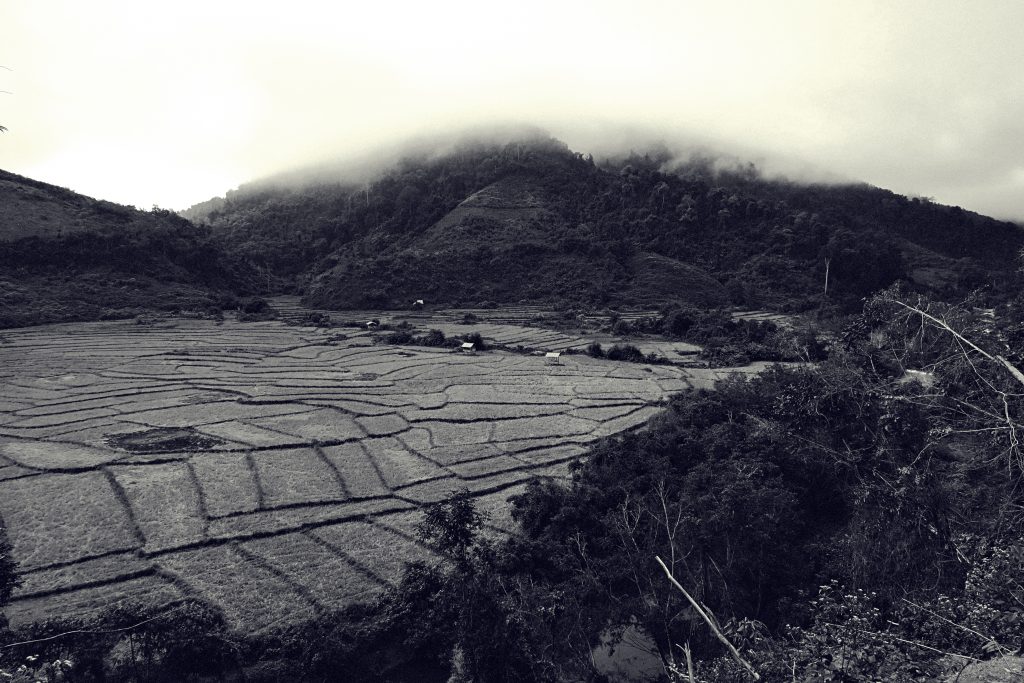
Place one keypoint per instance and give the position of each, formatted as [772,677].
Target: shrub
[398,337]
[622,328]
[432,338]
[256,305]
[227,301]
[186,642]
[594,350]
[256,310]
[724,355]
[626,352]
[314,319]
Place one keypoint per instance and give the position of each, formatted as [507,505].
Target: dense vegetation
[725,341]
[8,575]
[532,220]
[505,222]
[64,256]
[849,521]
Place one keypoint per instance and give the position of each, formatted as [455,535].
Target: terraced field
[274,471]
[512,328]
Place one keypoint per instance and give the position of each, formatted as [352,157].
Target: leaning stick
[1017,374]
[711,624]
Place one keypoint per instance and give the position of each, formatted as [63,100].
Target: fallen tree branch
[710,622]
[1017,374]
[92,632]
[989,640]
[904,640]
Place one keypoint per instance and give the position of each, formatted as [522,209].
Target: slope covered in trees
[503,222]
[532,220]
[64,256]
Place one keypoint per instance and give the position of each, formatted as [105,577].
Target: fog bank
[173,104]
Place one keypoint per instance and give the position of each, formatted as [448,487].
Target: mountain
[529,220]
[523,219]
[64,256]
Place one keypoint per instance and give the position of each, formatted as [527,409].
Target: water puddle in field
[163,440]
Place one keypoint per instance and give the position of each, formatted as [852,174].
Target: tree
[859,264]
[450,526]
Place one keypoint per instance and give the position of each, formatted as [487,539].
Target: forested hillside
[532,220]
[64,256]
[497,222]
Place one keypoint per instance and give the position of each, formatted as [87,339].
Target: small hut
[372,324]
[417,305]
[553,357]
[468,347]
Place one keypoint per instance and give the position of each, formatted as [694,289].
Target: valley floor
[272,470]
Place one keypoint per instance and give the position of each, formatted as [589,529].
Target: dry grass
[241,462]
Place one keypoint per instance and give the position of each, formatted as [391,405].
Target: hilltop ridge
[529,220]
[65,256]
[518,220]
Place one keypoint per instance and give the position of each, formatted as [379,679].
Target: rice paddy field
[271,470]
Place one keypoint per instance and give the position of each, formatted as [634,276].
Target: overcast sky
[172,103]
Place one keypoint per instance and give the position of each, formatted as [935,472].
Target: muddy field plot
[272,470]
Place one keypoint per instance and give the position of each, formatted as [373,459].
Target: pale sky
[172,103]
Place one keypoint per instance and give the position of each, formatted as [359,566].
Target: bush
[184,642]
[678,323]
[406,636]
[403,335]
[227,301]
[626,352]
[432,338]
[399,337]
[256,310]
[253,306]
[594,350]
[725,355]
[314,319]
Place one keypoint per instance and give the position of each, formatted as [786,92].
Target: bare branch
[113,630]
[1017,374]
[711,623]
[904,640]
[987,639]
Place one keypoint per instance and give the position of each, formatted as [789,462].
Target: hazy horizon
[178,104]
